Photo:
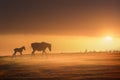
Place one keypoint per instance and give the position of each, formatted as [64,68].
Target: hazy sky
[69,25]
[60,17]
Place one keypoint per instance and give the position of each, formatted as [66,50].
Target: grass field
[73,66]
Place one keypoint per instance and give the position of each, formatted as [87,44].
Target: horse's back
[15,49]
[35,44]
[18,49]
[38,46]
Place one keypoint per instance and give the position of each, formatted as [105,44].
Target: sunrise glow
[70,26]
[108,38]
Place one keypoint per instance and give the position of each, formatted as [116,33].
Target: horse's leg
[33,52]
[43,52]
[20,53]
[14,53]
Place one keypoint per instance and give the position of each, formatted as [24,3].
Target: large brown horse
[40,47]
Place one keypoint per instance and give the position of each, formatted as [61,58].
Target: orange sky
[59,43]
[69,25]
[61,17]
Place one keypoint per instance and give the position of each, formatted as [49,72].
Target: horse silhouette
[20,50]
[40,47]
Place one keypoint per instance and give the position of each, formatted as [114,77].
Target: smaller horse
[20,50]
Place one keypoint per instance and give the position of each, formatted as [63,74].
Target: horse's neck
[22,48]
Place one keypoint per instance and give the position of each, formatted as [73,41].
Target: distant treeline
[109,51]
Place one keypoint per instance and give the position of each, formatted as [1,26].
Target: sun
[108,38]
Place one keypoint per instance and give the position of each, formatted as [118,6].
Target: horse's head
[23,47]
[49,47]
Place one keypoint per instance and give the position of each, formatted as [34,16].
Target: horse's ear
[24,47]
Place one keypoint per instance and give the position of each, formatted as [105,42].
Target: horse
[20,50]
[36,46]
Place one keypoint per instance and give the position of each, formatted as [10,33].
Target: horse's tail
[32,45]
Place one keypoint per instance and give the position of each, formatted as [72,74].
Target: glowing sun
[108,38]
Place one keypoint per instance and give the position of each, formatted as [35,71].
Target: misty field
[64,66]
